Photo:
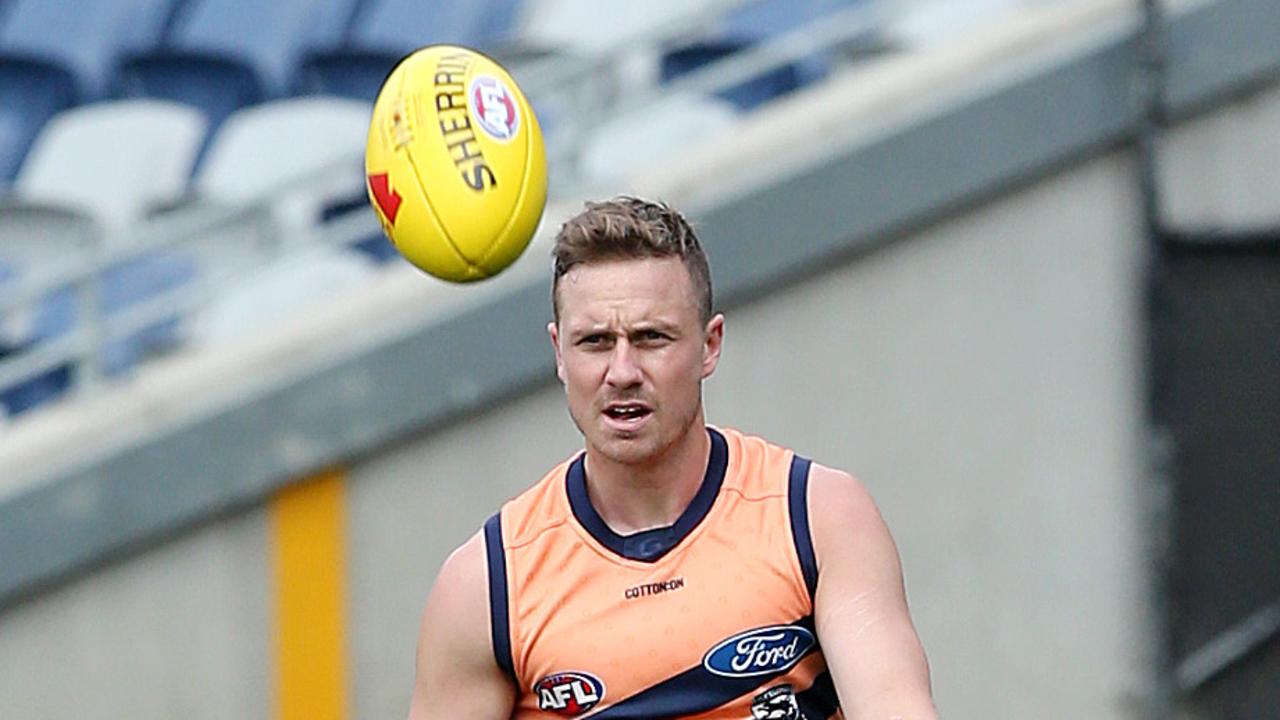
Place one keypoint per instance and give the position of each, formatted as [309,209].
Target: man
[672,569]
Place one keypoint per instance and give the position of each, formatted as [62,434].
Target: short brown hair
[628,227]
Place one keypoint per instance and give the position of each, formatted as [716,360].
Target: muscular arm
[860,607]
[457,674]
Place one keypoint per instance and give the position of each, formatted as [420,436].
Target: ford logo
[762,651]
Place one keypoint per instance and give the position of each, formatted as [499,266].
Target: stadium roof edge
[137,488]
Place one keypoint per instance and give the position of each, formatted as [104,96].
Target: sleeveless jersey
[711,617]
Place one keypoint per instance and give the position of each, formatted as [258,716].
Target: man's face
[632,352]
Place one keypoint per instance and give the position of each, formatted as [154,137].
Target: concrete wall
[981,373]
[176,632]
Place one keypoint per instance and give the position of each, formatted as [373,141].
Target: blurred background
[1014,263]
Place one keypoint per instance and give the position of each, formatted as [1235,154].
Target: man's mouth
[627,412]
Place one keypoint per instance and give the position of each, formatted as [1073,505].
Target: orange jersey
[711,617]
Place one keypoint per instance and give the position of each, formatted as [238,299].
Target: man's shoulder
[757,465]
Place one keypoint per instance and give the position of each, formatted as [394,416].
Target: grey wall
[177,632]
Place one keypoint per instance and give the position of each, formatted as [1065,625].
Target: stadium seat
[309,148]
[621,146]
[221,55]
[55,53]
[928,22]
[386,30]
[755,23]
[30,93]
[559,25]
[289,159]
[113,161]
[272,293]
[92,174]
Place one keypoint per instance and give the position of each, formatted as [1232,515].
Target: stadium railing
[568,82]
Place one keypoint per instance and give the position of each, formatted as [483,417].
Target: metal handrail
[82,346]
[545,78]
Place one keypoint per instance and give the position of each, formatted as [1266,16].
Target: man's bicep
[860,607]
[457,673]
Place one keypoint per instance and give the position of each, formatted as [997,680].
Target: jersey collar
[648,545]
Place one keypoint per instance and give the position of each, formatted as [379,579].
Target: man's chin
[628,449]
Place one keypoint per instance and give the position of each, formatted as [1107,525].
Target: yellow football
[455,164]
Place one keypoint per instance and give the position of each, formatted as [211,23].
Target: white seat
[299,153]
[113,161]
[279,290]
[653,134]
[289,158]
[923,23]
[563,24]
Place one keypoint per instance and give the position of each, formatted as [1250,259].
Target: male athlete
[672,569]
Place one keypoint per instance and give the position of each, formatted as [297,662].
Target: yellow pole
[308,549]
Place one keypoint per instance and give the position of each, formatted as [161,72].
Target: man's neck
[634,498]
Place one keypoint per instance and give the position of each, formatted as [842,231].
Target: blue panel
[753,24]
[374,246]
[56,53]
[85,37]
[30,93]
[218,86]
[752,93]
[35,391]
[220,55]
[387,30]
[122,286]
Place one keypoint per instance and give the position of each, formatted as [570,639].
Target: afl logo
[569,693]
[494,107]
[763,651]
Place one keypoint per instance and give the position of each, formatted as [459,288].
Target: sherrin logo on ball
[455,164]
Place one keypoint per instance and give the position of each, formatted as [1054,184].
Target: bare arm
[457,674]
[860,607]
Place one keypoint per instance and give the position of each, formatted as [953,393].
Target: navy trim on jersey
[693,691]
[649,545]
[820,700]
[498,623]
[797,502]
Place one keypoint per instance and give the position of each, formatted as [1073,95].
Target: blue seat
[121,287]
[31,92]
[221,55]
[384,31]
[749,26]
[33,391]
[55,53]
[375,245]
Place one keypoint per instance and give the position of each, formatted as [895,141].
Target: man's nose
[624,370]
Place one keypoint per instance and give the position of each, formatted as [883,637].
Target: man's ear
[712,345]
[554,331]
